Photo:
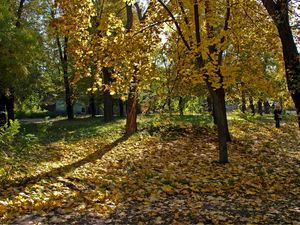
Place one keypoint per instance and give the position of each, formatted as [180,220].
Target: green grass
[37,114]
[84,160]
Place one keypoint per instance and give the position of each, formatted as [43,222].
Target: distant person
[277,115]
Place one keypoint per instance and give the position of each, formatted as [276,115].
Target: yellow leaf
[168,189]
[248,192]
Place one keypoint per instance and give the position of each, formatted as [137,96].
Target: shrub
[8,133]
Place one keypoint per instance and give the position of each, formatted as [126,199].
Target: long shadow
[68,130]
[21,184]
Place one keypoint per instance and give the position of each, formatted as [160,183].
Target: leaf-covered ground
[86,172]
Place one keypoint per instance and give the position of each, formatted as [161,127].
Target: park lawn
[88,172]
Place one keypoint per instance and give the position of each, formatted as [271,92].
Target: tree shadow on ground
[21,184]
[175,182]
[70,130]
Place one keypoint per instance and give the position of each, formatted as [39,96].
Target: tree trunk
[251,105]
[68,89]
[279,12]
[223,102]
[68,98]
[10,101]
[217,97]
[214,115]
[3,118]
[181,106]
[266,107]
[259,107]
[169,105]
[244,107]
[209,104]
[92,104]
[121,108]
[211,109]
[64,64]
[107,98]
[131,124]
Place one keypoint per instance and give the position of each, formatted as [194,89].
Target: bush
[8,133]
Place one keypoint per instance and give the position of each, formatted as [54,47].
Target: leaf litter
[150,179]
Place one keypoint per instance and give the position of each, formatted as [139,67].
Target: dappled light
[149,112]
[150,178]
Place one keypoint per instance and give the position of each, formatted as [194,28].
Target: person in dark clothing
[277,115]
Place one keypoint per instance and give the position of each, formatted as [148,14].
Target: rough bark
[107,98]
[279,12]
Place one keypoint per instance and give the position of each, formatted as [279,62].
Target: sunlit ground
[86,171]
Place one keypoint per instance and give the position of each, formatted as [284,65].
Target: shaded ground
[168,177]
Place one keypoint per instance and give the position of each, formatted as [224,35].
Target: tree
[208,60]
[64,62]
[254,53]
[15,65]
[279,12]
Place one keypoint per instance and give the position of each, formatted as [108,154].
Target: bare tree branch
[176,24]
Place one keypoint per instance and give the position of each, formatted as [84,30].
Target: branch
[186,19]
[226,27]
[152,25]
[19,13]
[141,16]
[197,24]
[129,14]
[176,24]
